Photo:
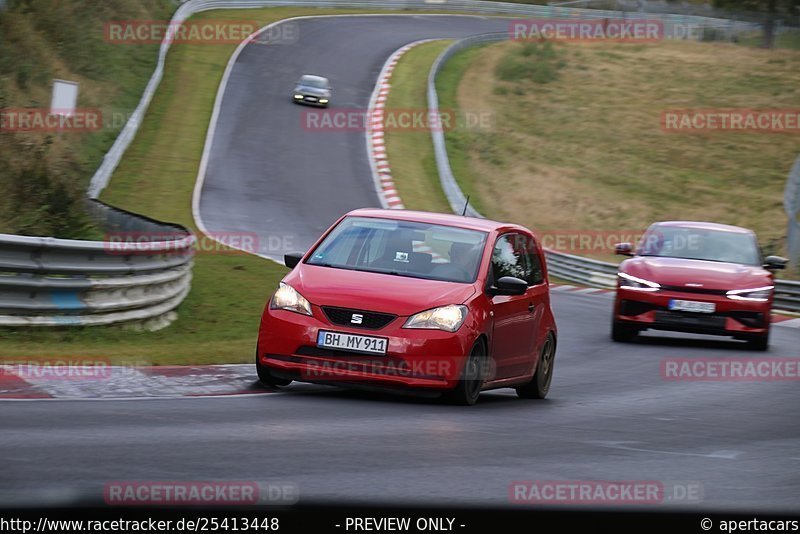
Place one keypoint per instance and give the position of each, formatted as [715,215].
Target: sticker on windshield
[401,257]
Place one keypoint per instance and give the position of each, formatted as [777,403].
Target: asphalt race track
[610,414]
[267,172]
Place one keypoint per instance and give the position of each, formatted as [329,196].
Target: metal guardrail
[46,281]
[787,295]
[455,197]
[585,271]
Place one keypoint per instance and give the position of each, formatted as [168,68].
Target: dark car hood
[712,275]
[311,90]
[399,295]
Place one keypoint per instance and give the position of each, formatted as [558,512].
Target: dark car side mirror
[623,249]
[774,263]
[510,285]
[292,259]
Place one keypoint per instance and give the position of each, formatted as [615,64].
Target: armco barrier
[787,295]
[577,269]
[61,282]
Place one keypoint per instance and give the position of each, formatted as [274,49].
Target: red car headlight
[288,298]
[637,284]
[448,318]
[758,294]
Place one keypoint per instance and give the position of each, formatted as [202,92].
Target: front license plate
[692,306]
[352,342]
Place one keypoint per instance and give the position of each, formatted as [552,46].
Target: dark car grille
[700,290]
[690,320]
[751,319]
[747,318]
[634,307]
[370,320]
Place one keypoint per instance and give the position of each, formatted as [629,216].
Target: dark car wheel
[621,332]
[539,385]
[758,342]
[469,387]
[267,378]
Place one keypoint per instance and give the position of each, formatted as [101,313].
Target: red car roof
[471,223]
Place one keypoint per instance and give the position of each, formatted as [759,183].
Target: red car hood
[374,291]
[712,275]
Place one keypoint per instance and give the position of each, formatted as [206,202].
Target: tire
[622,333]
[468,390]
[760,343]
[539,385]
[267,378]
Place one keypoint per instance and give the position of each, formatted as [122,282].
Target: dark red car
[696,277]
[421,301]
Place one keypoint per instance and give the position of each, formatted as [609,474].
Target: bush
[538,62]
[45,200]
[24,75]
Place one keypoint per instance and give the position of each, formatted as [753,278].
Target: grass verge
[447,83]
[582,150]
[410,152]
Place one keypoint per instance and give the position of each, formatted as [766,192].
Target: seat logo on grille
[357,318]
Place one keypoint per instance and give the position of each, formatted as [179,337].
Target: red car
[696,277]
[425,302]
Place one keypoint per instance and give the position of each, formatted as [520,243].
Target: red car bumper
[417,359]
[644,309]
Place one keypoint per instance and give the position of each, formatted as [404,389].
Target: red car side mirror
[623,249]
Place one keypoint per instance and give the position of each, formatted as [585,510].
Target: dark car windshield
[700,244]
[316,83]
[402,248]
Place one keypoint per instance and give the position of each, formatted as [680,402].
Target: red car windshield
[700,244]
[404,248]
